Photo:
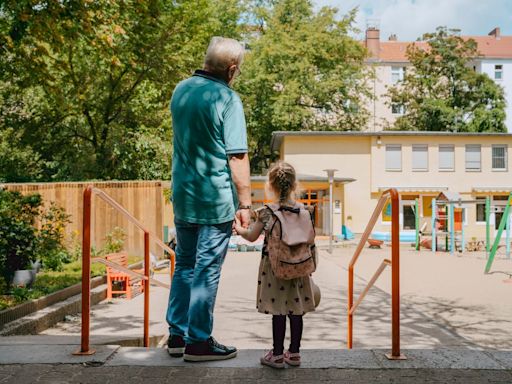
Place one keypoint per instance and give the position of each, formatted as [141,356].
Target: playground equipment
[395,273]
[505,222]
[86,265]
[447,221]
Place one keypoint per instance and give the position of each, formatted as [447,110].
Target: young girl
[278,297]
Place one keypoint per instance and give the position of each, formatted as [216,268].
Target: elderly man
[211,183]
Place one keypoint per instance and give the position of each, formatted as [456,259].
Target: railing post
[147,269]
[86,274]
[395,277]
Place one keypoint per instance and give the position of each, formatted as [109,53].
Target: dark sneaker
[208,350]
[175,346]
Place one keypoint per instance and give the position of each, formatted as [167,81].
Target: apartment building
[390,62]
[421,165]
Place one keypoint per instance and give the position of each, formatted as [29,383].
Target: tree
[302,72]
[86,84]
[442,92]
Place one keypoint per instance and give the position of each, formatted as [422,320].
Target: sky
[409,19]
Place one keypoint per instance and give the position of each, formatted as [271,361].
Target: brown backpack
[291,242]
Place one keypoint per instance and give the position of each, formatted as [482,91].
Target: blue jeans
[200,253]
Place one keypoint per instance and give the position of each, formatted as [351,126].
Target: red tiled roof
[488,46]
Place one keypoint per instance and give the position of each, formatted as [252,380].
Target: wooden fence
[143,199]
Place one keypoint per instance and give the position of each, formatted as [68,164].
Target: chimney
[392,37]
[495,32]
[372,41]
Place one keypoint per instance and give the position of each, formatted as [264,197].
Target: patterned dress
[277,296]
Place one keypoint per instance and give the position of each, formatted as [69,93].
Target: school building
[421,165]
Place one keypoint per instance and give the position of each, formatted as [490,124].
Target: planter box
[24,309]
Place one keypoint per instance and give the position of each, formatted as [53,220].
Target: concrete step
[367,359]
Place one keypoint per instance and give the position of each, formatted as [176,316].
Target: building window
[446,158]
[473,157]
[499,157]
[393,157]
[480,210]
[397,74]
[420,157]
[397,108]
[498,72]
[499,202]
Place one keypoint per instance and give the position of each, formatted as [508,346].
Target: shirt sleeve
[235,130]
[264,215]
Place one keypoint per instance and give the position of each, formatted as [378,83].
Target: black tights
[279,330]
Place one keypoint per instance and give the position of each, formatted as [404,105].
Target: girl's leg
[278,332]
[296,325]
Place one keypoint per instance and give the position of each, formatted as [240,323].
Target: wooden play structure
[447,227]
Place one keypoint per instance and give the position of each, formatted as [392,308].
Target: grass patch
[48,282]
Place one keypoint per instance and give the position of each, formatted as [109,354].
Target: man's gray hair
[222,53]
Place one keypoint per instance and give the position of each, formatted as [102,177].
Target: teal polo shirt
[208,125]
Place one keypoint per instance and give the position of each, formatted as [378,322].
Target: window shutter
[420,157]
[473,157]
[394,157]
[446,157]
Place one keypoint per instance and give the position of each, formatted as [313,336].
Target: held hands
[238,226]
[244,217]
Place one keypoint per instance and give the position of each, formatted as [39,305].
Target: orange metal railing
[395,273]
[86,264]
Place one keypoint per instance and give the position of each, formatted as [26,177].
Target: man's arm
[241,174]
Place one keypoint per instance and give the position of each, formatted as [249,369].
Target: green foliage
[442,92]
[302,72]
[114,241]
[86,84]
[51,238]
[18,236]
[21,242]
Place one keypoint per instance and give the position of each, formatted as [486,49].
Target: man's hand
[244,217]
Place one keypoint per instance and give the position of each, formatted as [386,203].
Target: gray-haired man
[211,183]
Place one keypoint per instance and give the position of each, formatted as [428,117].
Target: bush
[18,236]
[51,238]
[114,241]
[21,242]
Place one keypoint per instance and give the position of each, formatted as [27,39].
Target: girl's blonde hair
[282,180]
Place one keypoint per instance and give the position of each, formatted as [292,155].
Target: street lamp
[330,176]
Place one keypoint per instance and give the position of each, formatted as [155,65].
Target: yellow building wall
[362,159]
[351,157]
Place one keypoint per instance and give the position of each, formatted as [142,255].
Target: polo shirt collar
[210,76]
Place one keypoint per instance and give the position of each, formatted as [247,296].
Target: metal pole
[487,225]
[330,175]
[86,274]
[147,268]
[434,235]
[451,214]
[331,215]
[395,277]
[417,222]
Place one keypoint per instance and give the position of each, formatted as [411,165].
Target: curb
[24,309]
[47,317]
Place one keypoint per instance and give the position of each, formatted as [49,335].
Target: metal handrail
[86,264]
[395,272]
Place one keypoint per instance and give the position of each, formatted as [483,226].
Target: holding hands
[241,225]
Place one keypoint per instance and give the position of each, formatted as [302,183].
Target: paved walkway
[111,364]
[456,327]
[447,301]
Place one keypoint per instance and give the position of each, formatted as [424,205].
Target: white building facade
[389,61]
